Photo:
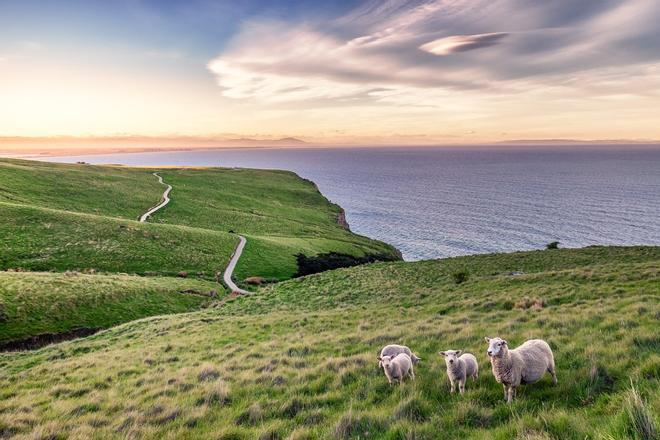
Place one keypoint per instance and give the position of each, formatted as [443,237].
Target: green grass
[60,217]
[298,359]
[46,239]
[111,191]
[34,303]
[280,213]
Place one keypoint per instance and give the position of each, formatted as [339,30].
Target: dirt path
[232,265]
[229,271]
[163,201]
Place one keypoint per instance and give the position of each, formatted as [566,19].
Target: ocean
[434,202]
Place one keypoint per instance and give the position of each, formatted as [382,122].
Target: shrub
[552,245]
[334,260]
[460,277]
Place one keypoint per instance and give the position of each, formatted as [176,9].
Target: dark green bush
[460,277]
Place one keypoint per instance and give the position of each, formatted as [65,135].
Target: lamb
[397,367]
[460,367]
[522,365]
[393,350]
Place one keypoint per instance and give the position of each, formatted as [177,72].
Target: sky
[389,71]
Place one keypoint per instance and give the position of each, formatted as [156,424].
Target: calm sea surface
[439,202]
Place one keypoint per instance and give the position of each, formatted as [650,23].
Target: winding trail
[229,271]
[163,201]
[232,265]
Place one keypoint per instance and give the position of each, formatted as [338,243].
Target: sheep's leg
[411,373]
[551,370]
[461,386]
[453,384]
[475,376]
[505,392]
[511,391]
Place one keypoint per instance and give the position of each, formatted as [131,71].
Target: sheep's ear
[458,352]
[442,353]
[504,342]
[380,358]
[487,339]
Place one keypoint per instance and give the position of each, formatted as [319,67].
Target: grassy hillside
[110,191]
[297,360]
[43,239]
[35,303]
[61,217]
[280,213]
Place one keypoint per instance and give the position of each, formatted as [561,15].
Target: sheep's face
[386,362]
[496,347]
[451,357]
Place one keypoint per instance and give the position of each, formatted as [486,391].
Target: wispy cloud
[387,50]
[462,43]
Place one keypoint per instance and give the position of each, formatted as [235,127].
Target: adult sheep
[394,349]
[522,365]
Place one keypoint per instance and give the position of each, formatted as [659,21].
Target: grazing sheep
[397,367]
[522,365]
[460,367]
[393,350]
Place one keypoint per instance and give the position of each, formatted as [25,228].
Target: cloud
[462,43]
[421,51]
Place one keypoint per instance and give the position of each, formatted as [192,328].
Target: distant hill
[73,145]
[288,142]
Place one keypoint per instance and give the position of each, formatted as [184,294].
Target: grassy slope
[281,214]
[111,191]
[44,239]
[298,359]
[34,303]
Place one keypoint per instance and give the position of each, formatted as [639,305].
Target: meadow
[80,260]
[64,217]
[38,303]
[298,359]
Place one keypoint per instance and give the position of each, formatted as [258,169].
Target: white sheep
[397,367]
[522,365]
[460,367]
[394,349]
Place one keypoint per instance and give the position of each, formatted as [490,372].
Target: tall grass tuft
[640,422]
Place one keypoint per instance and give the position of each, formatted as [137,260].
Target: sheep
[397,367]
[460,367]
[522,365]
[394,349]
